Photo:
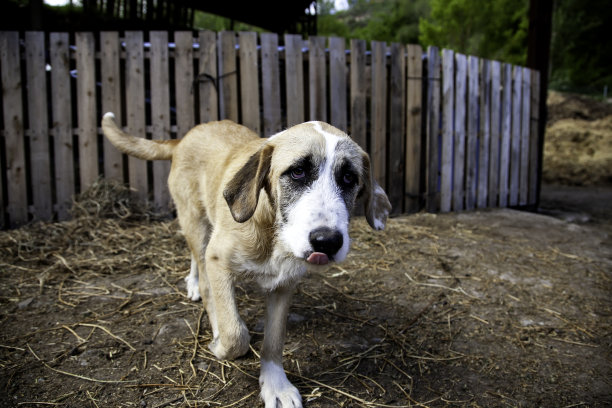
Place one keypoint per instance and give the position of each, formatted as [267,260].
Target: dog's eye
[298,173]
[348,178]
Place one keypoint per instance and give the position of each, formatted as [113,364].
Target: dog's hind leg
[193,291]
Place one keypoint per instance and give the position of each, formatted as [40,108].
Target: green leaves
[489,29]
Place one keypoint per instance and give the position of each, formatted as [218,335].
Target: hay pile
[578,145]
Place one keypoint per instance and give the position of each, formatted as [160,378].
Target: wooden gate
[445,131]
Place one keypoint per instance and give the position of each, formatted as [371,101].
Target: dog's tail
[136,146]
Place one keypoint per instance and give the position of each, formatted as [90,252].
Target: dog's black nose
[325,240]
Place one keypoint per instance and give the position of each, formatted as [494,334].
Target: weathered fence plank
[396,143]
[14,139]
[471,146]
[294,82]
[63,149]
[271,84]
[358,128]
[515,141]
[40,166]
[183,82]
[433,130]
[135,109]
[534,156]
[459,188]
[448,99]
[524,145]
[504,155]
[160,109]
[207,76]
[111,98]
[249,81]
[379,112]
[337,83]
[414,141]
[86,109]
[496,123]
[484,134]
[228,76]
[317,78]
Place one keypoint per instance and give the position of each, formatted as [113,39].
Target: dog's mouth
[318,258]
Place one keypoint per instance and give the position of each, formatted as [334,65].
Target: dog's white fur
[269,208]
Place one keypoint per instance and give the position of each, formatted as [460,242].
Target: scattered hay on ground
[497,308]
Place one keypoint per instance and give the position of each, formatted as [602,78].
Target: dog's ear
[376,203]
[242,192]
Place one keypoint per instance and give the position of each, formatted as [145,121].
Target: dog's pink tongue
[318,258]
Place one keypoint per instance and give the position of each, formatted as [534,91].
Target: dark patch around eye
[302,172]
[295,180]
[348,180]
[346,175]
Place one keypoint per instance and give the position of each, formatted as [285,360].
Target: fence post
[397,133]
[135,109]
[448,98]
[471,146]
[159,63]
[13,128]
[111,98]
[358,93]
[86,109]
[337,82]
[433,129]
[317,79]
[515,141]
[534,153]
[458,156]
[294,79]
[207,76]
[525,128]
[249,81]
[183,81]
[61,111]
[504,160]
[494,161]
[270,84]
[228,84]
[40,166]
[379,112]
[484,134]
[414,173]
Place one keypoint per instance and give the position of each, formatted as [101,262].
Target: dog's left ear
[242,192]
[377,205]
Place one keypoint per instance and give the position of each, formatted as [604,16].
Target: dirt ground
[498,308]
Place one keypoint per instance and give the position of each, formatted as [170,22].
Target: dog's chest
[275,272]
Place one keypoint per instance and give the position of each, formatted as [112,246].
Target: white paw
[276,390]
[193,290]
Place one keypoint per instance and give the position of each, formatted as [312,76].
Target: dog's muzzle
[325,243]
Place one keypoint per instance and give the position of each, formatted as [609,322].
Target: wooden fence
[445,131]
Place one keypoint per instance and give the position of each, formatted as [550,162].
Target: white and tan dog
[271,209]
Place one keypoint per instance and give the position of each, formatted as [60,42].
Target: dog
[269,208]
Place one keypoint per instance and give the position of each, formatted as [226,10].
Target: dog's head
[312,173]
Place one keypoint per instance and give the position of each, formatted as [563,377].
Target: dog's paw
[232,347]
[193,290]
[276,390]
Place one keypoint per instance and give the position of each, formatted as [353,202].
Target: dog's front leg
[276,390]
[232,339]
